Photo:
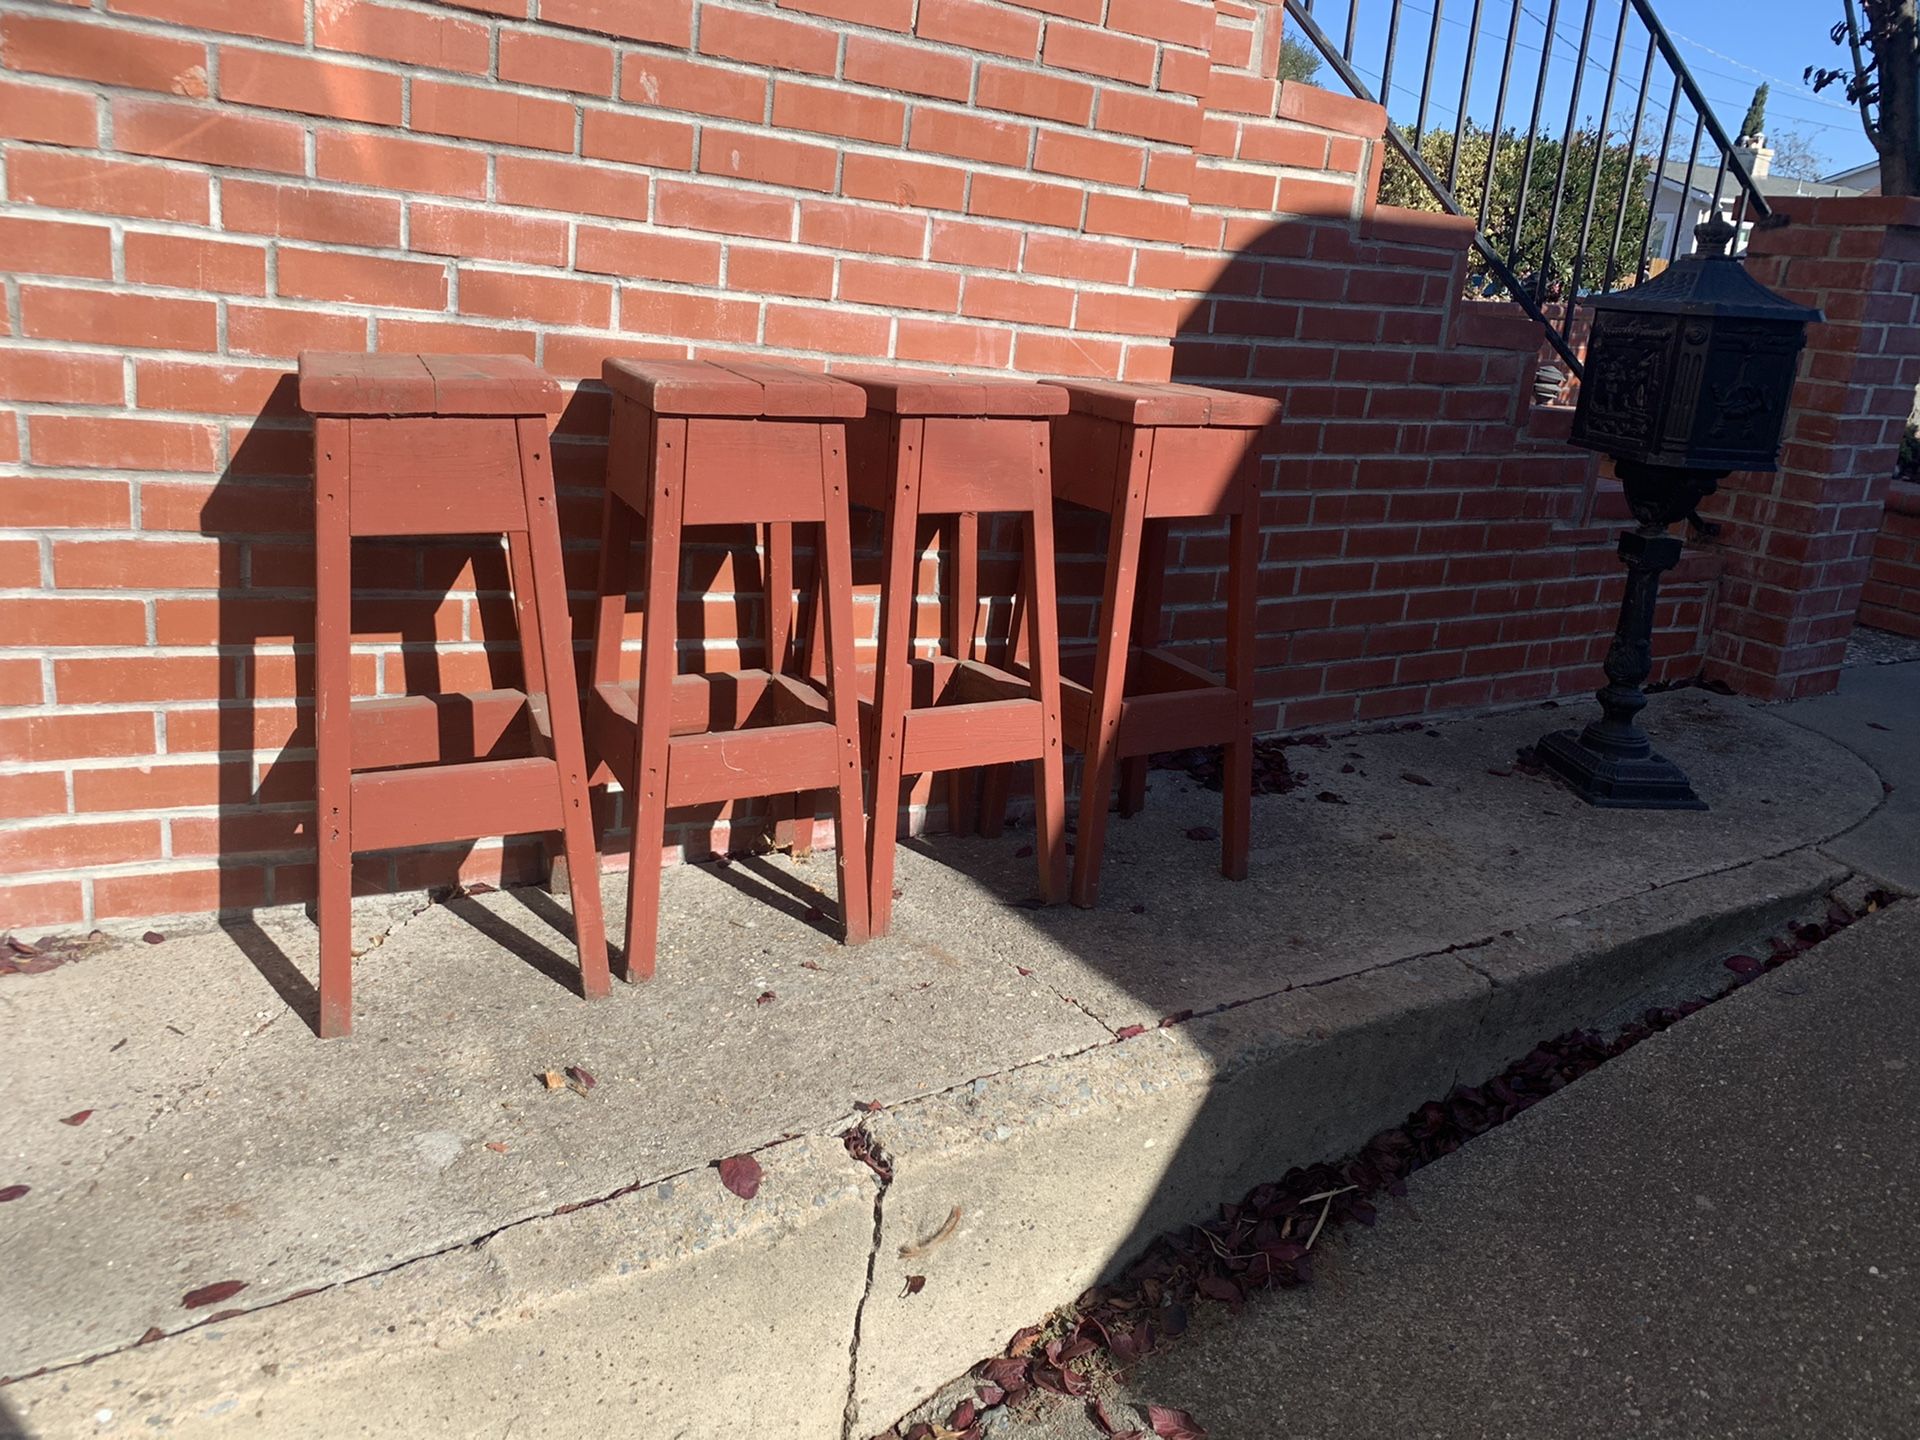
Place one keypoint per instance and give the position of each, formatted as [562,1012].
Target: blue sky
[1729,48]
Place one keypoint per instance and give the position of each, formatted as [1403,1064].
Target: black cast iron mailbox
[1688,378]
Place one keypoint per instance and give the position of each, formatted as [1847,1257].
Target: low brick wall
[194,192]
[1891,599]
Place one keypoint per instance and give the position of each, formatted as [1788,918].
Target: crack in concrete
[882,1166]
[1029,974]
[472,1243]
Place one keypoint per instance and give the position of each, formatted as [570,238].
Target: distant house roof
[1700,179]
[1863,178]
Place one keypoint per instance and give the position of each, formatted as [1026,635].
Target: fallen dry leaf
[579,1081]
[740,1174]
[914,1250]
[765,997]
[915,1284]
[499,1147]
[13,1192]
[1127,1032]
[554,1080]
[153,937]
[1327,797]
[154,1332]
[1412,779]
[79,1117]
[212,1294]
[1171,1424]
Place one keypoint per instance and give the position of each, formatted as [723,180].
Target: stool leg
[1243,577]
[1043,636]
[333,723]
[1110,668]
[658,638]
[893,678]
[836,570]
[1146,632]
[553,638]
[963,619]
[609,621]
[533,679]
[792,813]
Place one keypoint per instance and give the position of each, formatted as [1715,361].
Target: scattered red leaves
[860,1145]
[79,1117]
[12,1192]
[153,937]
[740,1174]
[212,1294]
[765,997]
[915,1284]
[1127,1032]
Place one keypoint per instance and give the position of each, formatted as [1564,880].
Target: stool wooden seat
[440,445]
[952,447]
[1148,454]
[697,442]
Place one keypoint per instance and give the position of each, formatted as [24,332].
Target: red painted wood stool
[700,443]
[956,446]
[1149,454]
[440,445]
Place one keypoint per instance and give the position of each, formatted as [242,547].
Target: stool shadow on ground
[767,884]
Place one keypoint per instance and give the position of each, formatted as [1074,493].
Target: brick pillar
[1798,542]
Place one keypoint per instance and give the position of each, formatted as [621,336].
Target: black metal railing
[1525,195]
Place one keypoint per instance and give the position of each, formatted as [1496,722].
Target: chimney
[1754,154]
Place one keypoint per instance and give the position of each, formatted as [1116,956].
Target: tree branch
[1860,73]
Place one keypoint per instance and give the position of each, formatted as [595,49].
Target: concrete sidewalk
[426,1234]
[1711,1236]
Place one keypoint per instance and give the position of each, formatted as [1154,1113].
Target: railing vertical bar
[1466,88]
[1533,129]
[1700,106]
[1686,190]
[1426,79]
[1632,161]
[1496,262]
[1593,177]
[1386,65]
[1499,112]
[1353,21]
[1566,140]
[1659,172]
[1719,181]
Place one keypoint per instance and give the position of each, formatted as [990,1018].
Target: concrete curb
[677,1310]
[673,1310]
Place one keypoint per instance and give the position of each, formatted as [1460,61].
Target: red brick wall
[1799,541]
[1891,599]
[194,191]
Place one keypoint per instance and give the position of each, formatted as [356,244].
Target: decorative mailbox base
[1612,763]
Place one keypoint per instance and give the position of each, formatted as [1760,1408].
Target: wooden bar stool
[1149,454]
[440,445]
[700,443]
[955,447]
